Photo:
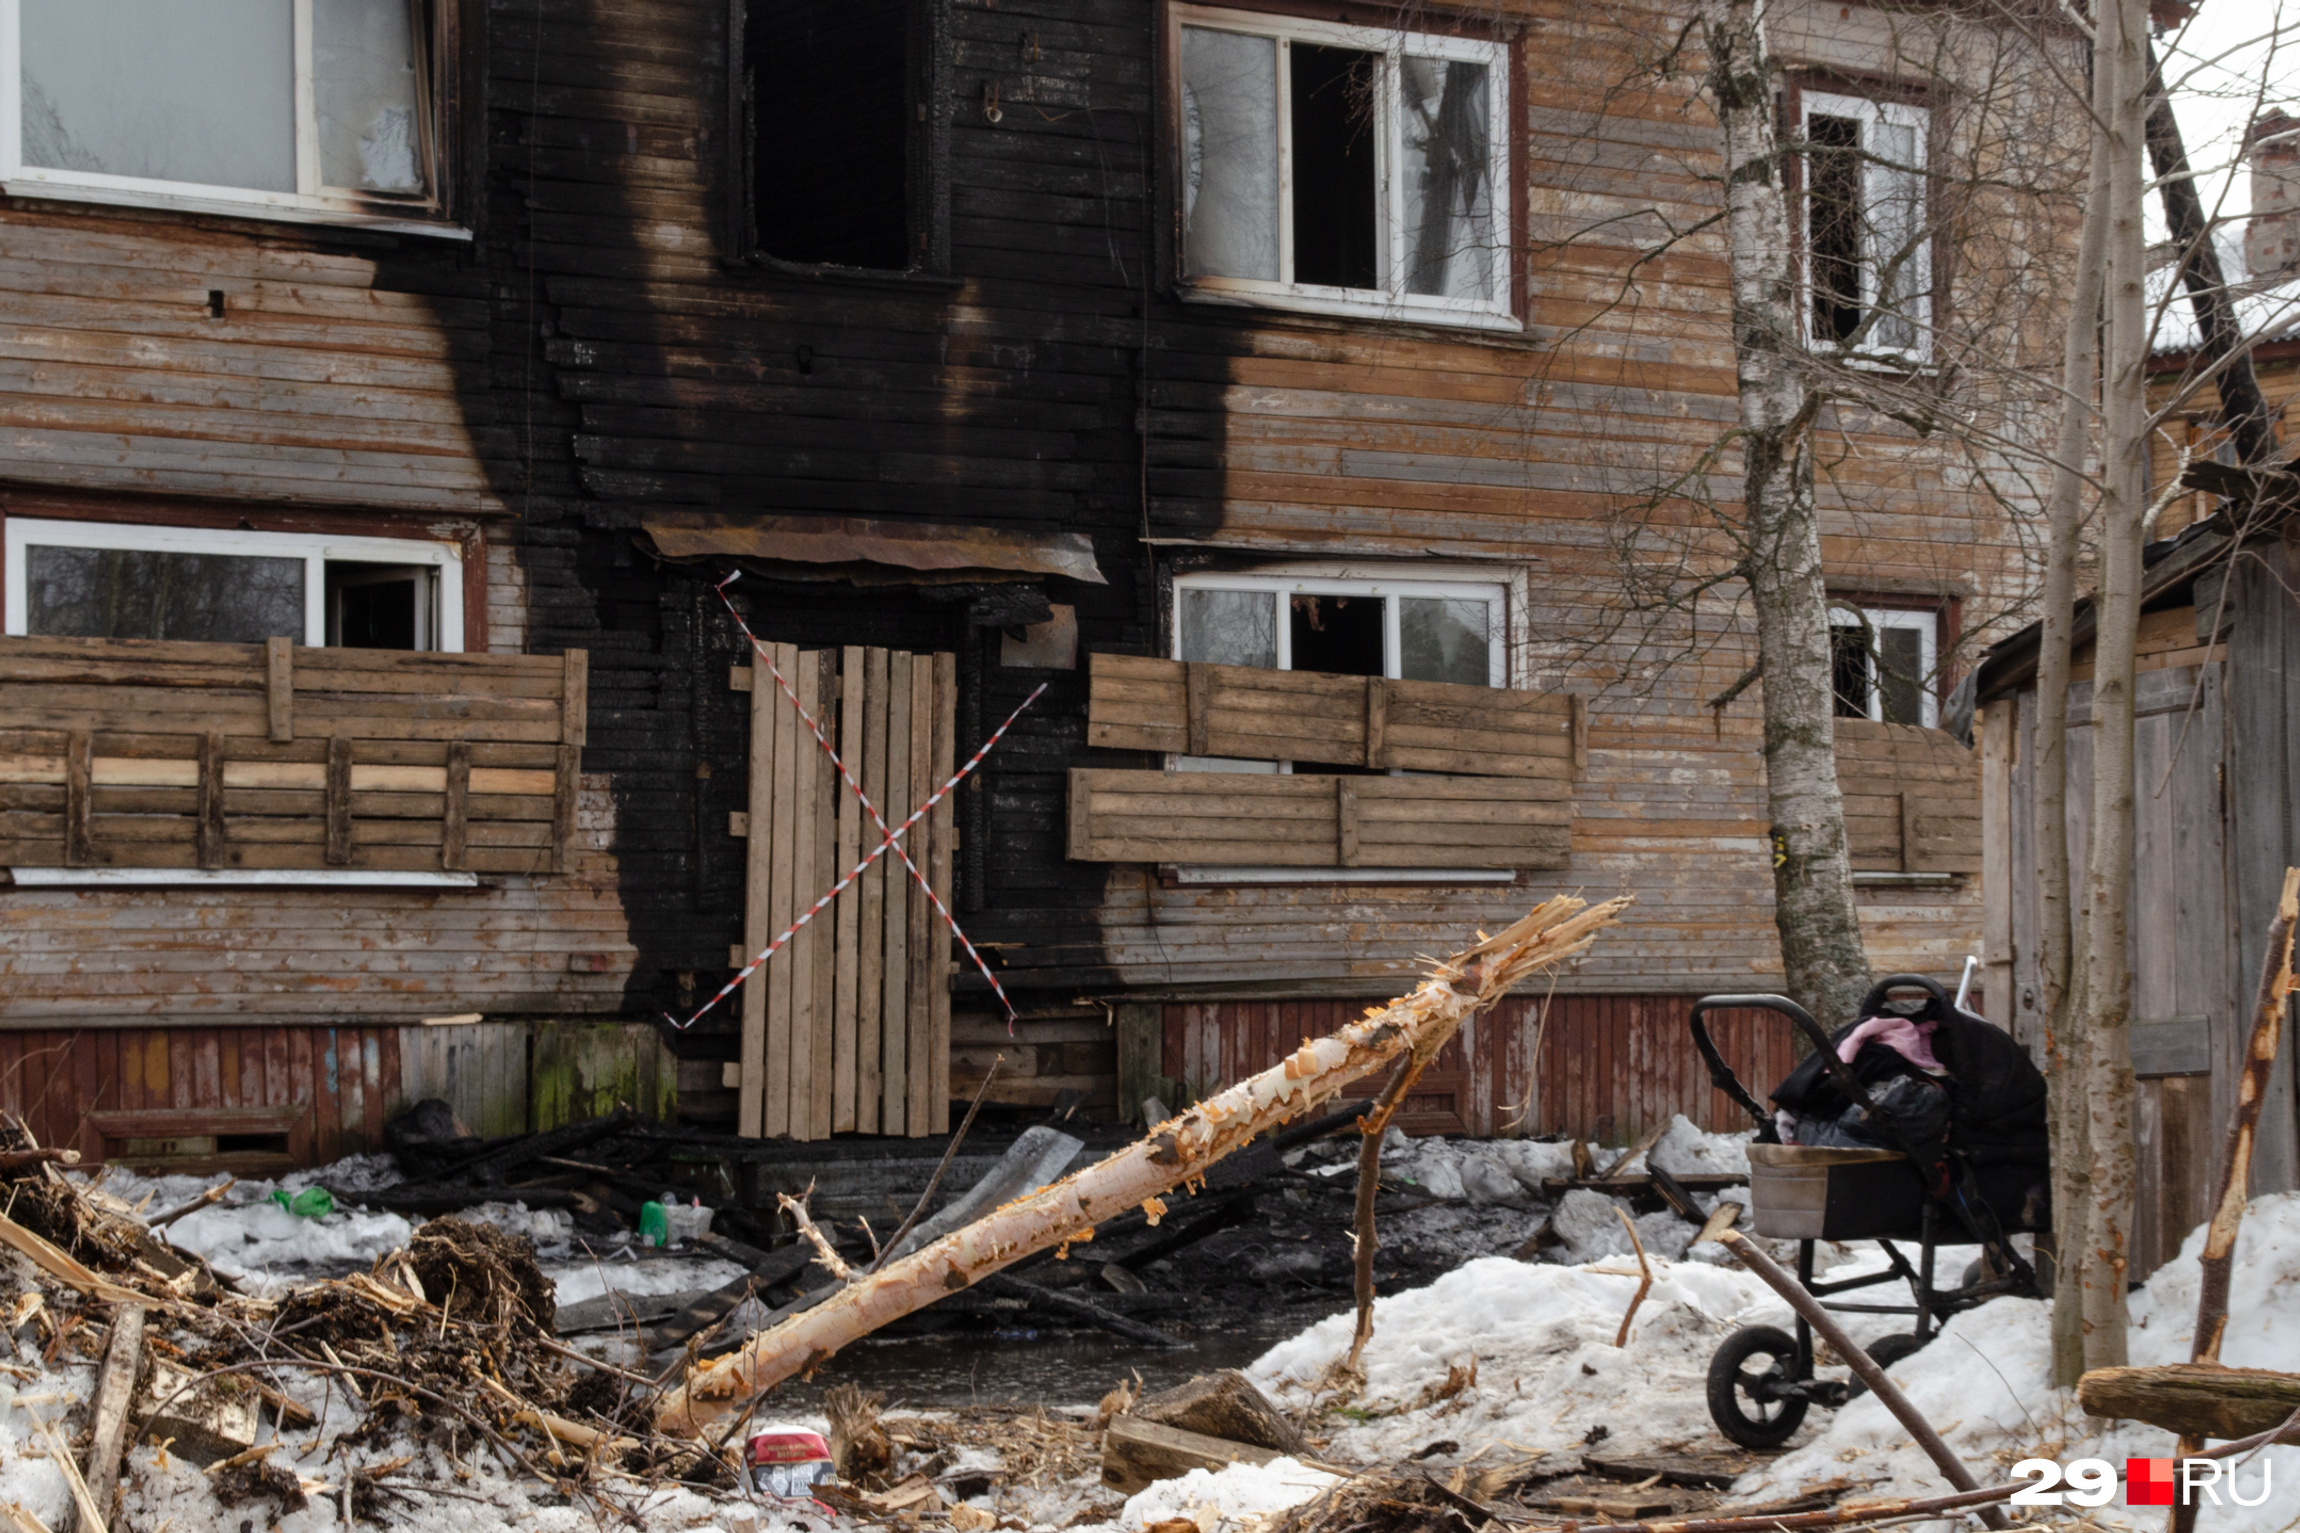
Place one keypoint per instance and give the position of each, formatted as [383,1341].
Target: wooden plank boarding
[455,820]
[854,1035]
[279,688]
[846,914]
[211,831]
[939,969]
[751,1080]
[870,951]
[895,1021]
[918,942]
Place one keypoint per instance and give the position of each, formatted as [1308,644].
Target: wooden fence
[156,754]
[847,1028]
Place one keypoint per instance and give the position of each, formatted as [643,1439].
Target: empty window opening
[1882,663]
[1868,265]
[1335,237]
[1833,169]
[1340,635]
[831,130]
[379,606]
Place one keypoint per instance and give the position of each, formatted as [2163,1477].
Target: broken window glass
[1230,627]
[166,90]
[1229,154]
[1336,238]
[831,131]
[364,68]
[111,593]
[1443,638]
[1450,241]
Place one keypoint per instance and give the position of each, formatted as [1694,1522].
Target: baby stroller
[1888,1150]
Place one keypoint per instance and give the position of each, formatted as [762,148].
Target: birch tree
[1822,956]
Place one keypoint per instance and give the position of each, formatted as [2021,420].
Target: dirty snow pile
[267,1250]
[1985,1385]
[1241,1493]
[1490,1199]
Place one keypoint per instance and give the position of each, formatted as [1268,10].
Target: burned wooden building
[1252,396]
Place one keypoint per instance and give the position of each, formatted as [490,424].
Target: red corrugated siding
[1610,1065]
[348,1076]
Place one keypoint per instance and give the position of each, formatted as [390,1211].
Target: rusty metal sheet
[929,546]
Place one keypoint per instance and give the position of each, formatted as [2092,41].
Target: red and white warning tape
[893,836]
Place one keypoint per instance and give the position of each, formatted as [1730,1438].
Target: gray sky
[2232,56]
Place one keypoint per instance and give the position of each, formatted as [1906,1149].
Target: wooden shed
[2218,721]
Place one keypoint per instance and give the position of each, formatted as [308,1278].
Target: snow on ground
[1984,1384]
[1240,1494]
[616,1268]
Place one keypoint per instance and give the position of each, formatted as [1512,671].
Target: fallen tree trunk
[2197,1400]
[1179,1151]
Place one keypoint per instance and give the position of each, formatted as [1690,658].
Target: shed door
[847,1028]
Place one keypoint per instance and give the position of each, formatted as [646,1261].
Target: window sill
[856,276]
[1311,302]
[233,878]
[1893,880]
[1202,875]
[227,207]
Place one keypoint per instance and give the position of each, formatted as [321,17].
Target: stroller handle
[1721,1074]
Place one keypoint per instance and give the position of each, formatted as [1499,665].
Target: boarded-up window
[141,754]
[1484,775]
[1912,798]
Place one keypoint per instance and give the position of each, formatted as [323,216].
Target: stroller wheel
[1887,1351]
[1749,1383]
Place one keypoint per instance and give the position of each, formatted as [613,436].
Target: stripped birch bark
[1177,1152]
[2056,960]
[2120,63]
[1822,957]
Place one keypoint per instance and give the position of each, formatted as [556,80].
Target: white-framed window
[110,580]
[1343,170]
[1868,240]
[313,110]
[1417,630]
[1884,660]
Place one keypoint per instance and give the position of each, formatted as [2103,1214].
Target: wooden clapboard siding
[847,1026]
[1306,821]
[343,378]
[1912,798]
[131,753]
[479,1069]
[1599,1067]
[325,1092]
[1256,714]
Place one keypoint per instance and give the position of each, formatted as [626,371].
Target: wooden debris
[2197,1400]
[1720,1228]
[1178,1152]
[1644,1280]
[860,1452]
[1225,1405]
[1138,1453]
[63,1268]
[202,1419]
[108,1412]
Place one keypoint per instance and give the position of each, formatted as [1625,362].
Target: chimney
[2272,233]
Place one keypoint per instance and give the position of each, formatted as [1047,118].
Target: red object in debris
[788,1461]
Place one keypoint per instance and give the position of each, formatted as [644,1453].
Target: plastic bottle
[311,1203]
[654,1228]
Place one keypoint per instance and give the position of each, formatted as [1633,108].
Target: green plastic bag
[311,1203]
